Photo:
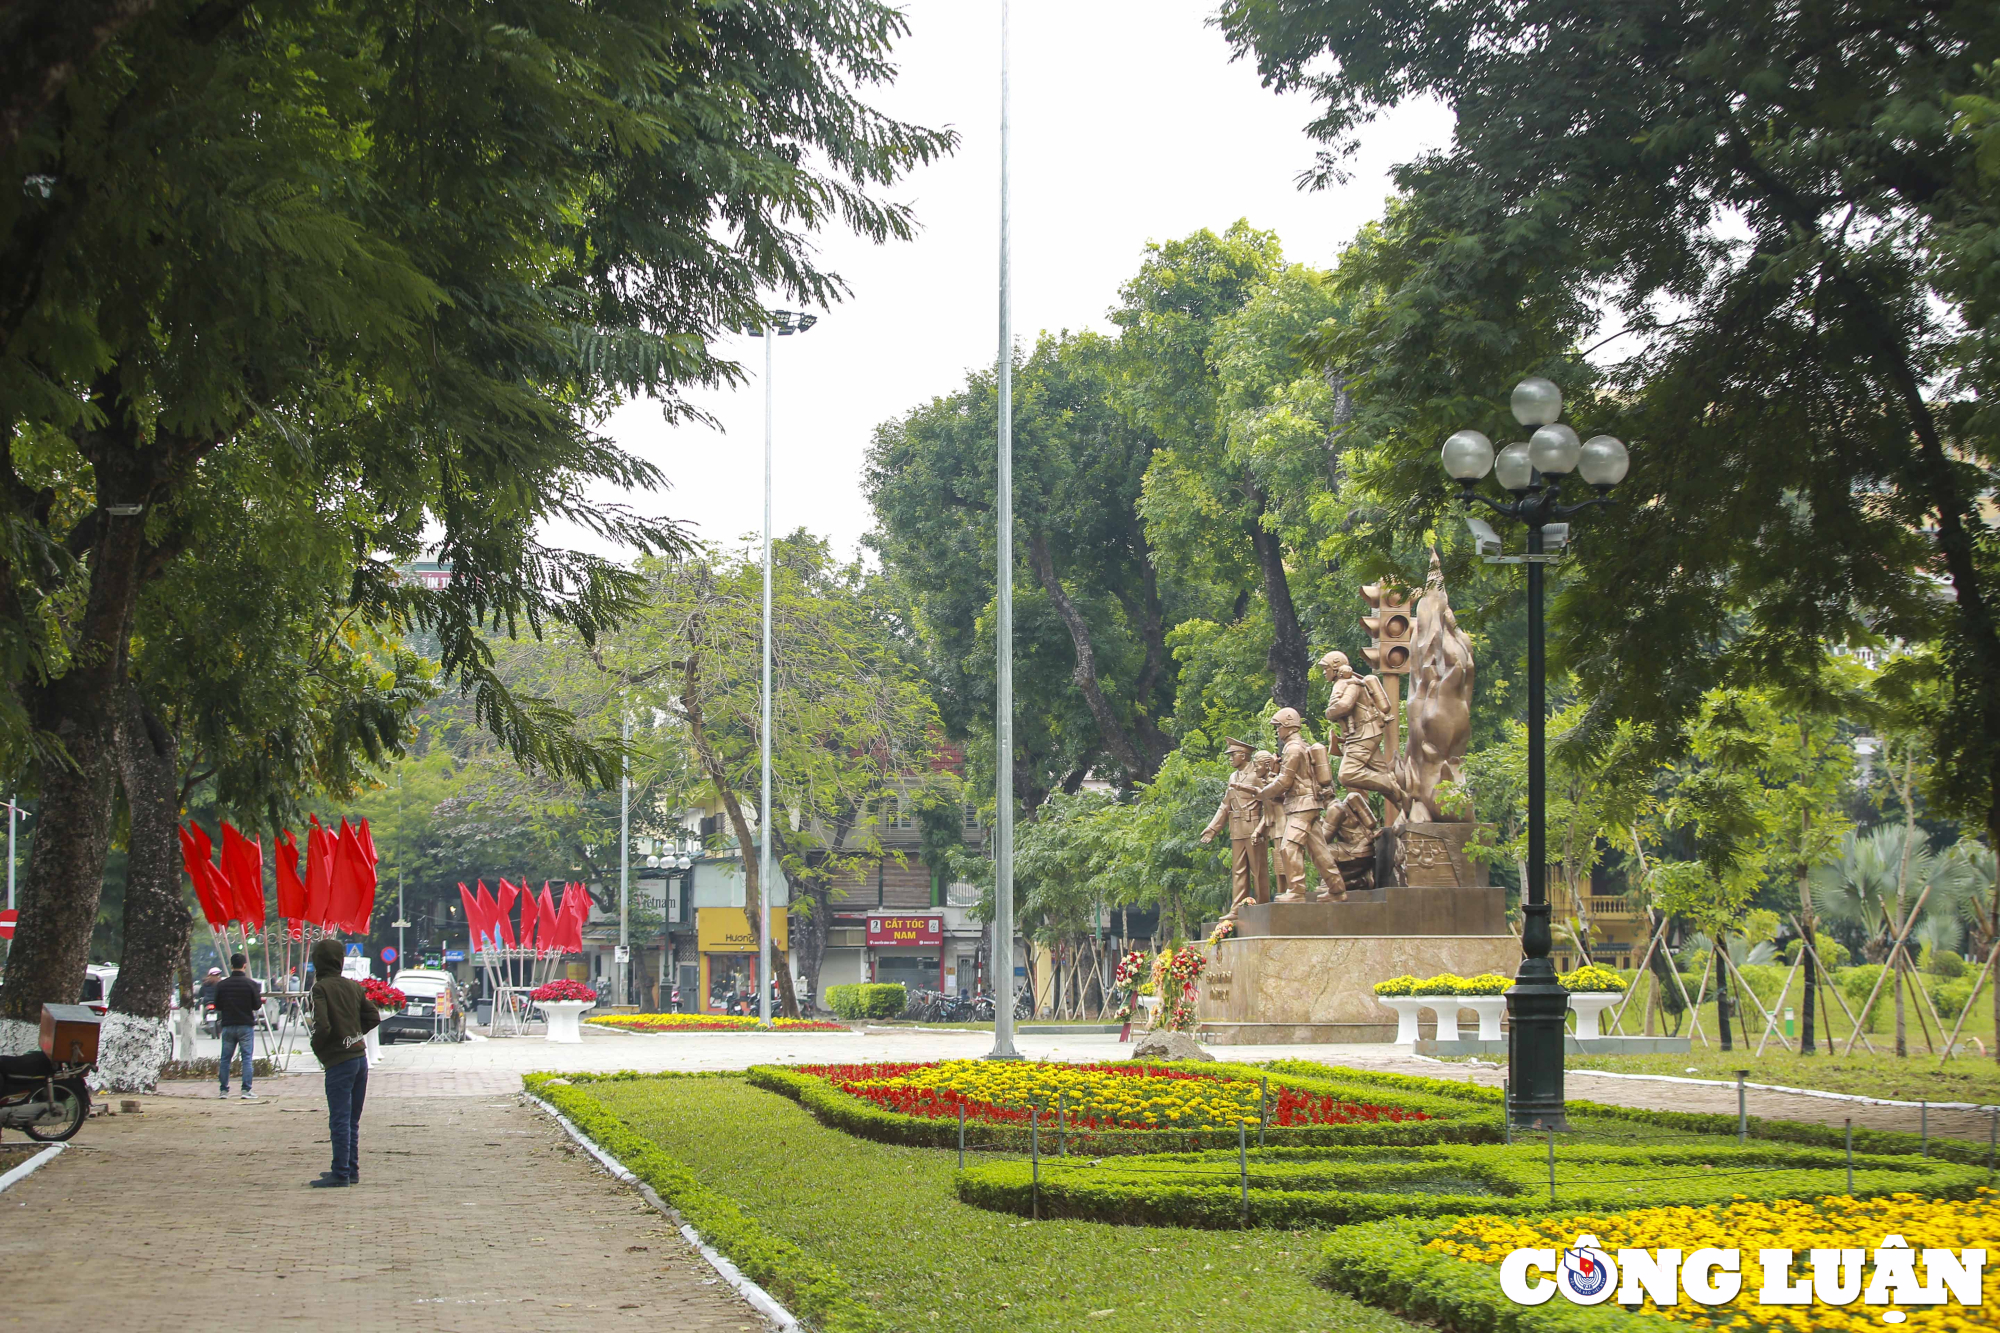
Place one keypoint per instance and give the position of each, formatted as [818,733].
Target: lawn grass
[889,1220]
[1916,1078]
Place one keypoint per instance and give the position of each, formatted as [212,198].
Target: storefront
[728,948]
[908,948]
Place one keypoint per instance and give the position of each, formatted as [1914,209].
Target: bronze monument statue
[1243,813]
[1351,828]
[1304,773]
[1438,720]
[1360,713]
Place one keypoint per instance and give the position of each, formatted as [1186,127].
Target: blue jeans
[234,1038]
[346,1089]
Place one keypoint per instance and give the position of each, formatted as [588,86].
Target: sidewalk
[475,1213]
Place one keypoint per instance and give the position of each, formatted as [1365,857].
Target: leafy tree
[414,253]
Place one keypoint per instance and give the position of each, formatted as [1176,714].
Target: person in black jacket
[237,1000]
[342,1018]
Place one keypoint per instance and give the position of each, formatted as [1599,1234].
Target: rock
[1168,1046]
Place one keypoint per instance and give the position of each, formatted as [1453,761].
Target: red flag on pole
[243,867]
[194,856]
[504,920]
[291,889]
[489,913]
[471,912]
[353,882]
[529,922]
[548,925]
[368,844]
[319,876]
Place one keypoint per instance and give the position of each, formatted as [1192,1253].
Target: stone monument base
[1314,988]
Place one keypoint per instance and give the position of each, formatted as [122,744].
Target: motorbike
[44,1100]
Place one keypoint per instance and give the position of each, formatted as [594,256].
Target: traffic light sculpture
[1389,622]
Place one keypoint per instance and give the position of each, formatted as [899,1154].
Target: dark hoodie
[342,1016]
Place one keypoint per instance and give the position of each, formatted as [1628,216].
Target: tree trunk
[1811,967]
[81,710]
[136,1040]
[1289,660]
[1111,732]
[1722,998]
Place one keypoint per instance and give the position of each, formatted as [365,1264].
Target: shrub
[1951,997]
[1943,963]
[1444,983]
[1593,980]
[1766,981]
[872,1000]
[1299,1188]
[1855,983]
[1403,985]
[1486,983]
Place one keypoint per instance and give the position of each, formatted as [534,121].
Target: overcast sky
[1130,125]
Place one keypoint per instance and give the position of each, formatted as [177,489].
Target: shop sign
[727,930]
[898,931]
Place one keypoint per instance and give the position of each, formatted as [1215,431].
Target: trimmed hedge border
[1385,1264]
[810,1289]
[1294,1188]
[1454,1122]
[1877,1141]
[870,999]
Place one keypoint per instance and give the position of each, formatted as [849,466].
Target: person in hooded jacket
[342,1018]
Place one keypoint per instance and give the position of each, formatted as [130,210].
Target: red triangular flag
[353,882]
[194,856]
[489,911]
[291,889]
[319,876]
[548,926]
[243,867]
[504,919]
[368,844]
[578,914]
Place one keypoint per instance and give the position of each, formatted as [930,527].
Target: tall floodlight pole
[778,324]
[624,959]
[1003,720]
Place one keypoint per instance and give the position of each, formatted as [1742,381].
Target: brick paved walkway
[474,1213]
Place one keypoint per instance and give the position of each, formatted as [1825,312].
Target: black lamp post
[1532,471]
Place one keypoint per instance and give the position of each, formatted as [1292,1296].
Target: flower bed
[1307,1187]
[1444,983]
[1746,1225]
[1113,1107]
[563,990]
[710,1023]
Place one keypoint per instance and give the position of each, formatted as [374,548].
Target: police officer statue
[1304,774]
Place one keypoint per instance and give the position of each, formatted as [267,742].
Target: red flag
[368,844]
[291,889]
[527,929]
[508,893]
[319,875]
[194,856]
[548,925]
[471,912]
[489,914]
[353,882]
[576,912]
[243,866]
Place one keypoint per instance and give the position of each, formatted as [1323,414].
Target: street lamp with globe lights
[1532,472]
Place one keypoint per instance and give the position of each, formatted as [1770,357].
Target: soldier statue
[1351,828]
[1359,713]
[1304,774]
[1243,814]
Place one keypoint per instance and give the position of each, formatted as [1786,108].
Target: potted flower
[1592,990]
[387,1000]
[1398,994]
[1485,995]
[1129,978]
[564,1003]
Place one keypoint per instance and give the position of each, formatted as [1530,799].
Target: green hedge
[1295,1189]
[1692,1122]
[1453,1121]
[1385,1264]
[807,1287]
[873,1000]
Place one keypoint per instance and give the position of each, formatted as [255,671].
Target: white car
[98,979]
[431,1005]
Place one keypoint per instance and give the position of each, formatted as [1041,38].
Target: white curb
[32,1165]
[765,1303]
[1795,1092]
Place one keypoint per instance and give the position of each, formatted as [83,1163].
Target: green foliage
[1942,963]
[1298,1188]
[871,1000]
[1951,997]
[805,1285]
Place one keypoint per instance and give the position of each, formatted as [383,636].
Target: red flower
[564,990]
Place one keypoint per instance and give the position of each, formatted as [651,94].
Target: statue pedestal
[1433,855]
[1306,972]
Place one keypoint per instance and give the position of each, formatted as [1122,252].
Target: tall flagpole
[1003,721]
[764,722]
